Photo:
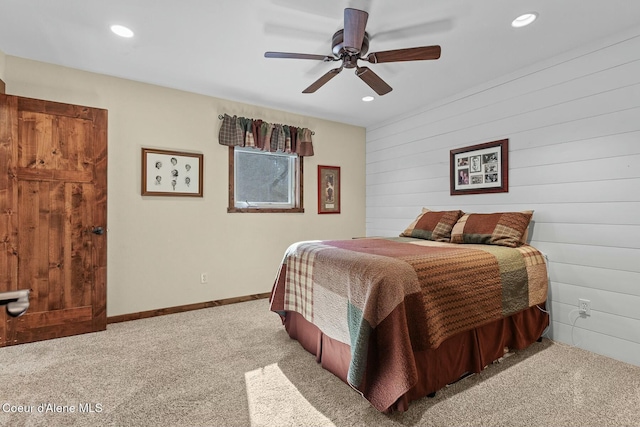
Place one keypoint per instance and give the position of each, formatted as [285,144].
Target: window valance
[256,133]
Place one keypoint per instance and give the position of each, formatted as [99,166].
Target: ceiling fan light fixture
[524,20]
[368,98]
[122,31]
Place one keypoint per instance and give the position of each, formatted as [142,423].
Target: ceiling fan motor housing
[337,45]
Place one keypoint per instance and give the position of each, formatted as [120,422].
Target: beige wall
[3,60]
[158,246]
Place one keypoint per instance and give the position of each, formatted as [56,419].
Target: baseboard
[183,308]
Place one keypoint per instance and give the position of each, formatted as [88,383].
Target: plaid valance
[256,133]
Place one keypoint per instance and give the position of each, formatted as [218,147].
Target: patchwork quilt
[389,297]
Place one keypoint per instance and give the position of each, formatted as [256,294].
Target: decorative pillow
[525,235]
[502,229]
[432,225]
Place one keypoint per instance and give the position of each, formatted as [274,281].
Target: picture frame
[328,189]
[171,173]
[481,168]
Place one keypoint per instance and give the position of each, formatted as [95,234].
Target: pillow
[525,235]
[432,225]
[502,229]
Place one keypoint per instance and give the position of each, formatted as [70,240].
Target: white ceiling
[216,47]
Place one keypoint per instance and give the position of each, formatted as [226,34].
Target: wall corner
[2,66]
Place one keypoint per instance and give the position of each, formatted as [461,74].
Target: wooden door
[53,197]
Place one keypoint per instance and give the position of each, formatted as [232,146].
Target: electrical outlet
[204,278]
[584,306]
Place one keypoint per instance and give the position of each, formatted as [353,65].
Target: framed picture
[171,173]
[482,168]
[328,189]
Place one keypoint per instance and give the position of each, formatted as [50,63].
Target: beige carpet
[235,366]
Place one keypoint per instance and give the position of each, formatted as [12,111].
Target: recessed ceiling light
[122,31]
[367,98]
[524,20]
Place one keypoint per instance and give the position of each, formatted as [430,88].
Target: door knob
[97,230]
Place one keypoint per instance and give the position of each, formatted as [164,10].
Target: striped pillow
[432,225]
[502,229]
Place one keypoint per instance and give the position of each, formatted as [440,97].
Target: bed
[399,318]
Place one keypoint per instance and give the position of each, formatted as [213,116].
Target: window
[263,181]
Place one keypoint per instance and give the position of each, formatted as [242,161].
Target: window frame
[299,179]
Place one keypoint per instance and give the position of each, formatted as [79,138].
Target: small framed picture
[171,173]
[482,168]
[328,189]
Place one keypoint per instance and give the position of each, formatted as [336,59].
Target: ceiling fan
[350,45]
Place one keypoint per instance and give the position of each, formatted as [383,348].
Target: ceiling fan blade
[410,54]
[355,22]
[373,80]
[322,80]
[416,30]
[298,56]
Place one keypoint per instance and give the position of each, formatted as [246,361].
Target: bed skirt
[464,353]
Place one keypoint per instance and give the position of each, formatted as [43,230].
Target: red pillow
[503,228]
[433,225]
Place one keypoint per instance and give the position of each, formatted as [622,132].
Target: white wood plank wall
[573,125]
